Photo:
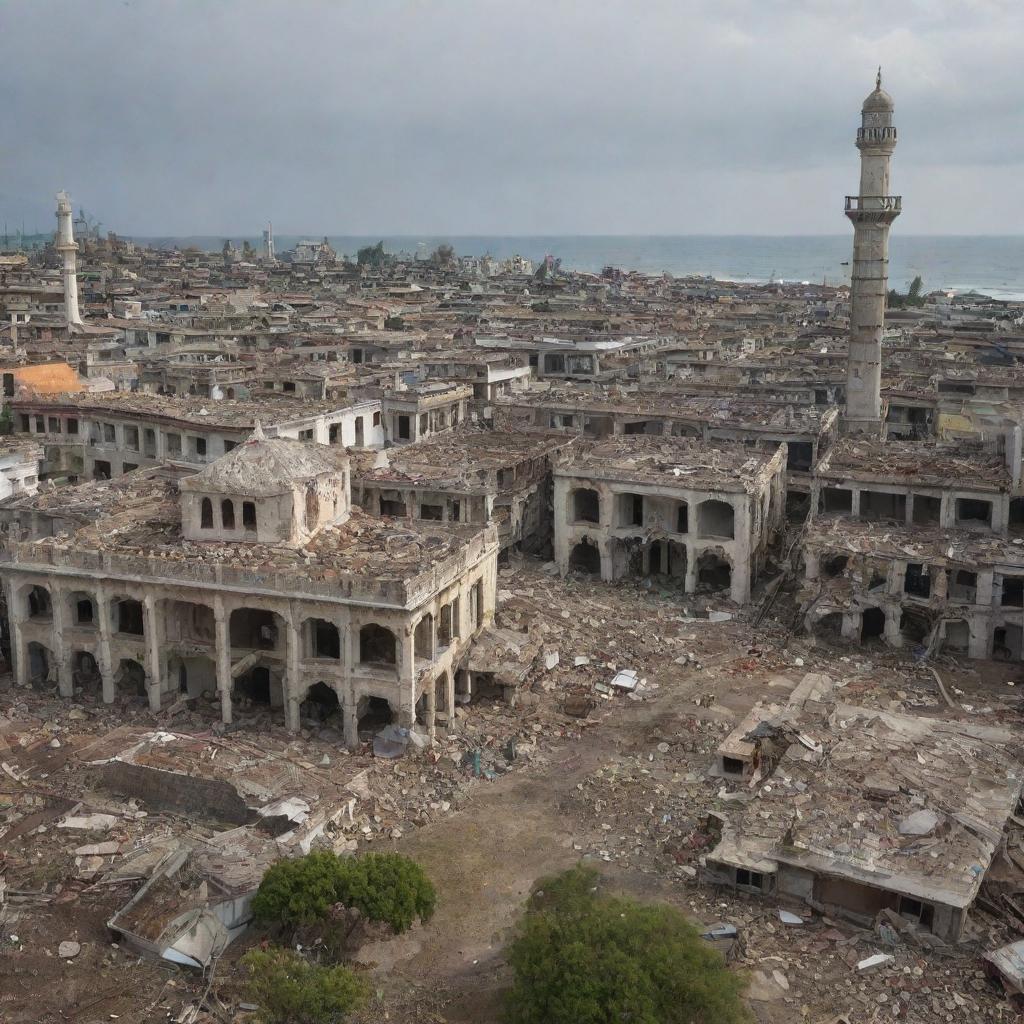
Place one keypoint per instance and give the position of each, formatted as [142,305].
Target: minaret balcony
[873,208]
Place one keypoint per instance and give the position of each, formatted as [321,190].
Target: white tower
[872,213]
[268,243]
[68,250]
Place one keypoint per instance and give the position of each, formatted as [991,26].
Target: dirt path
[485,860]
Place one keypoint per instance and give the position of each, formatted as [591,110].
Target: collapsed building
[704,515]
[472,476]
[255,580]
[856,811]
[917,544]
[98,436]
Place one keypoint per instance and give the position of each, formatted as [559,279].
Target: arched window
[377,645]
[206,514]
[249,515]
[227,514]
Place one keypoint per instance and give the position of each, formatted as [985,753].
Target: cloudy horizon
[179,117]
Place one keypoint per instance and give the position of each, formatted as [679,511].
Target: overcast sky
[514,117]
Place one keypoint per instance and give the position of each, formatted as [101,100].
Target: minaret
[268,243]
[872,213]
[68,250]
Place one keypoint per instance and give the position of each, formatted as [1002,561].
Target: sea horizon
[992,264]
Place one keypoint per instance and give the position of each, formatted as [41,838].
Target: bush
[580,957]
[289,990]
[387,887]
[297,891]
[382,886]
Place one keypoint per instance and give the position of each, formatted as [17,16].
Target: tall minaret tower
[872,213]
[268,243]
[68,250]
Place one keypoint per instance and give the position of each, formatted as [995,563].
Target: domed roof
[264,466]
[879,101]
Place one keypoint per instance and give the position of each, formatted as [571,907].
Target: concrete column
[690,579]
[223,657]
[350,720]
[292,674]
[406,679]
[61,652]
[892,634]
[908,516]
[854,503]
[432,708]
[105,666]
[449,700]
[947,511]
[985,591]
[16,616]
[152,627]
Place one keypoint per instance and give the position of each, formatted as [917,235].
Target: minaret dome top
[879,101]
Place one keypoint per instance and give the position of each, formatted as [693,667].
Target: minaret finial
[257,432]
[878,78]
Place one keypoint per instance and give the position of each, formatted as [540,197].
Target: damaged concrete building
[472,476]
[854,811]
[704,515]
[98,436]
[916,544]
[256,580]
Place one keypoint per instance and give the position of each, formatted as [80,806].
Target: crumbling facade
[639,506]
[254,579]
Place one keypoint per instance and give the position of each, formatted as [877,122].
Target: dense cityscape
[505,566]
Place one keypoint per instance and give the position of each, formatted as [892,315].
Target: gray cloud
[479,116]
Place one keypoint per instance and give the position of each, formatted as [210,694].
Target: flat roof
[679,462]
[906,463]
[234,413]
[139,533]
[817,809]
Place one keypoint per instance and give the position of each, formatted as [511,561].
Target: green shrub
[297,891]
[289,990]
[581,957]
[382,886]
[387,887]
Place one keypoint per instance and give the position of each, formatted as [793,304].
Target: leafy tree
[387,887]
[382,886]
[394,323]
[290,990]
[913,297]
[371,255]
[581,957]
[297,891]
[247,250]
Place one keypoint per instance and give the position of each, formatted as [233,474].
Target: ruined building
[256,580]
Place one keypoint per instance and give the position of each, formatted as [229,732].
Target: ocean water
[991,264]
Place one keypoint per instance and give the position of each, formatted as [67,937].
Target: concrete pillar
[892,634]
[854,503]
[350,721]
[406,679]
[985,589]
[292,674]
[105,666]
[16,616]
[223,657]
[432,708]
[908,516]
[152,628]
[61,652]
[449,701]
[690,579]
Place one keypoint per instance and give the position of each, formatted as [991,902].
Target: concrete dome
[879,102]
